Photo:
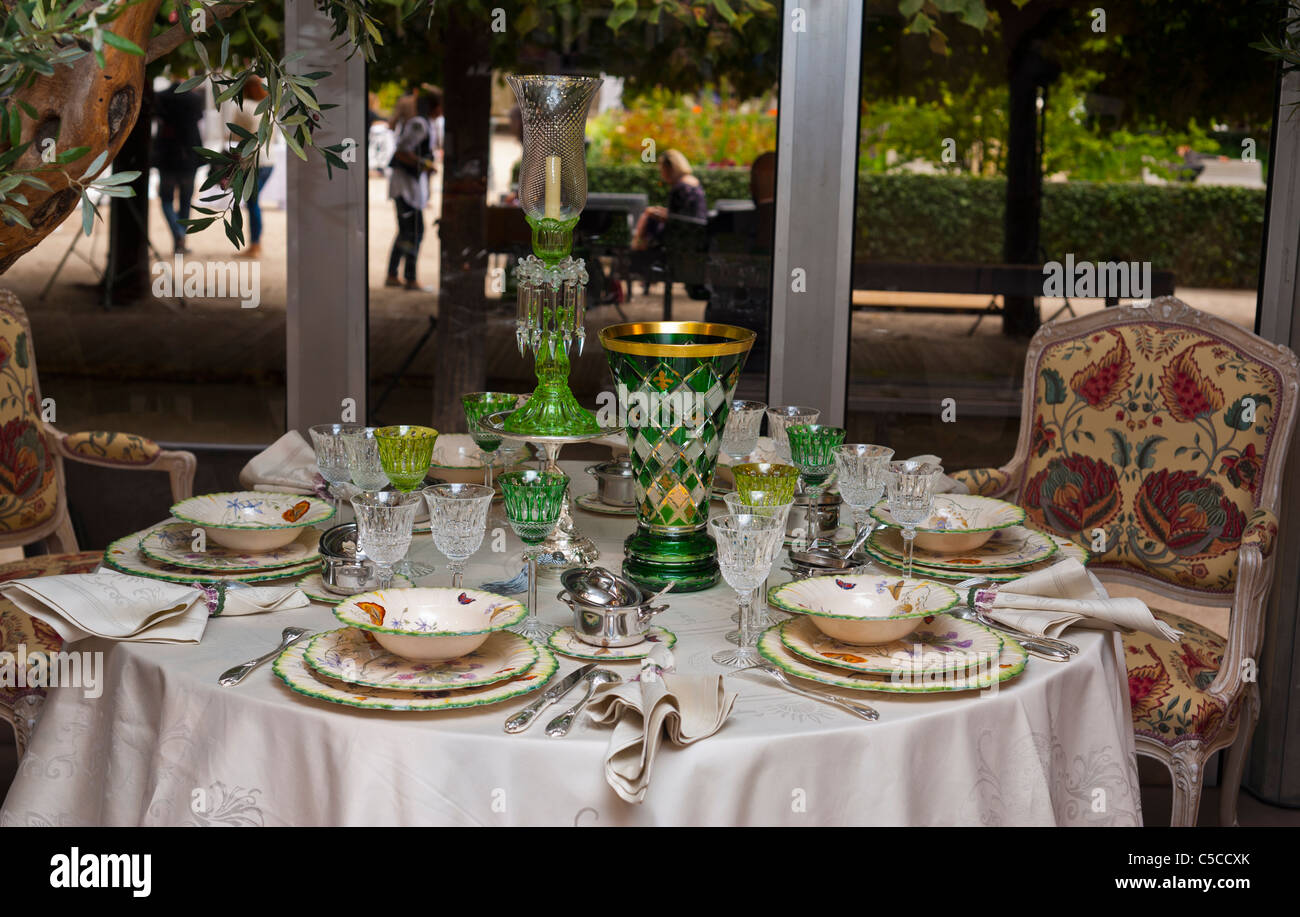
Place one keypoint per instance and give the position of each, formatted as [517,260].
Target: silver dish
[598,586]
[610,625]
[344,568]
[811,522]
[615,484]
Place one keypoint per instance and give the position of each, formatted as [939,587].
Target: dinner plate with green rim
[350,656]
[173,543]
[291,667]
[958,523]
[314,588]
[941,644]
[1014,546]
[565,642]
[1010,663]
[1067,549]
[593,504]
[124,556]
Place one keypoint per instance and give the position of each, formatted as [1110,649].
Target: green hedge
[1208,235]
[718,184]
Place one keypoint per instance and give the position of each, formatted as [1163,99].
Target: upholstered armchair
[1156,438]
[33,503]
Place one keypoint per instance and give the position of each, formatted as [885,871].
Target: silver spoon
[288,638]
[561,725]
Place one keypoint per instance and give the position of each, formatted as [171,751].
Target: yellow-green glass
[533,500]
[812,450]
[776,479]
[405,454]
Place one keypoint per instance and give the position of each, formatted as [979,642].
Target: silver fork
[858,710]
[288,638]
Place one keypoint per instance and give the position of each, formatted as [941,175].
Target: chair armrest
[1261,530]
[129,452]
[1246,619]
[986,482]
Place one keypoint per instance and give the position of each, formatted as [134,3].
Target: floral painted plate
[351,656]
[291,667]
[1067,549]
[253,510]
[1010,663]
[941,644]
[593,504]
[1014,546]
[959,513]
[173,543]
[314,588]
[124,556]
[565,642]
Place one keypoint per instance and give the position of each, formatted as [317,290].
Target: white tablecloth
[166,745]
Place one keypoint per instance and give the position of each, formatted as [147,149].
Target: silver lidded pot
[608,610]
[615,483]
[344,568]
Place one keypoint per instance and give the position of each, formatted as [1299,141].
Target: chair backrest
[31,498]
[1149,436]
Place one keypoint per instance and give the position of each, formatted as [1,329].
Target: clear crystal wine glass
[861,469]
[329,440]
[780,417]
[479,405]
[384,524]
[458,520]
[910,486]
[533,500]
[747,546]
[363,459]
[740,435]
[812,450]
[772,503]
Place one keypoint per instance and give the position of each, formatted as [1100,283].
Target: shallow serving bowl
[249,520]
[430,624]
[863,609]
[958,522]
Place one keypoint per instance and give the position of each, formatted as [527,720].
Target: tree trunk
[467,106]
[127,279]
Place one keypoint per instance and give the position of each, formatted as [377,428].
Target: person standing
[178,115]
[408,187]
[245,116]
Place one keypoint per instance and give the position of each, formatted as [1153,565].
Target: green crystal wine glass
[533,500]
[478,406]
[812,451]
[405,454]
[770,477]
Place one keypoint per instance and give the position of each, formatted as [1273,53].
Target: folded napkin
[1049,601]
[133,608]
[288,465]
[946,484]
[643,712]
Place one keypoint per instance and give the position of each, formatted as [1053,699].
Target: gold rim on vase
[614,337]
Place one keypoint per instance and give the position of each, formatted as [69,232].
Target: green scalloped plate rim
[380,629]
[993,576]
[989,528]
[775,599]
[527,645]
[669,641]
[974,568]
[257,527]
[282,573]
[145,551]
[788,642]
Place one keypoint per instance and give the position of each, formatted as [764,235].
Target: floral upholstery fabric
[986,482]
[117,448]
[1156,435]
[19,629]
[1261,530]
[1167,683]
[28,484]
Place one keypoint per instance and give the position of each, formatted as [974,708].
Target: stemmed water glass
[740,435]
[478,406]
[812,450]
[780,417]
[747,546]
[363,459]
[533,500]
[772,503]
[405,454]
[910,486]
[330,443]
[861,469]
[458,519]
[384,524]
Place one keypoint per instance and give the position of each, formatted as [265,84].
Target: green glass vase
[674,383]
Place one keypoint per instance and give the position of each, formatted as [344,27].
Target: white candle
[552,187]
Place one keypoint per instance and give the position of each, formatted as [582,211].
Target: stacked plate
[970,536]
[419,650]
[242,537]
[885,634]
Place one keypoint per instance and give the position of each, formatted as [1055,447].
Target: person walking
[246,117]
[408,187]
[178,115]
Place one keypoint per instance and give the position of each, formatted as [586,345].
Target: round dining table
[164,744]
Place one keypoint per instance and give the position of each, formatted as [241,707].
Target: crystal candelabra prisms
[551,283]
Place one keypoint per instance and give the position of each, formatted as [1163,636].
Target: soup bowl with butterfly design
[863,609]
[252,521]
[427,624]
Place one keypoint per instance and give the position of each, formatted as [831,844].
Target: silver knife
[521,720]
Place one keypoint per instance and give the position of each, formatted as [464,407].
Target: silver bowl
[344,569]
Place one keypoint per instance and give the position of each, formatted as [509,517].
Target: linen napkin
[946,484]
[288,465]
[133,608]
[1050,600]
[680,708]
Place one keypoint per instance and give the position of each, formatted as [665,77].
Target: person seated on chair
[686,198]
